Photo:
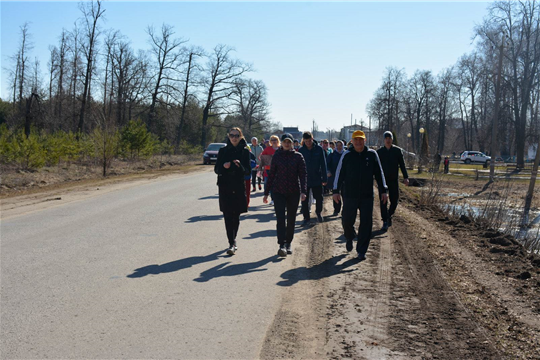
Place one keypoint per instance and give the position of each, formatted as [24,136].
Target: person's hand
[265,199]
[336,198]
[227,165]
[406,182]
[303,197]
[324,184]
[384,198]
[236,162]
[329,174]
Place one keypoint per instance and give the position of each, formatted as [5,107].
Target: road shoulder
[47,198]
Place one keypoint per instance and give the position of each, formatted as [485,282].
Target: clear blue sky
[320,61]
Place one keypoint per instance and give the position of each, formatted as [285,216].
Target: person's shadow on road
[267,233]
[173,265]
[210,197]
[323,270]
[198,218]
[236,269]
[377,234]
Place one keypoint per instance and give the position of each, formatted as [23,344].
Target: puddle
[511,215]
[462,209]
[455,195]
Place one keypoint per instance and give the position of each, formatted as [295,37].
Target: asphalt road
[139,273]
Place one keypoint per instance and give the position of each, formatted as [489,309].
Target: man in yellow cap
[354,183]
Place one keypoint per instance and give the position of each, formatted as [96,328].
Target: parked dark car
[211,152]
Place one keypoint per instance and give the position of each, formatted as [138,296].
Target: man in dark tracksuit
[316,176]
[354,178]
[391,159]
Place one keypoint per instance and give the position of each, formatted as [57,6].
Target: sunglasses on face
[234,136]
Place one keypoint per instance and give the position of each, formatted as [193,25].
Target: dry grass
[15,182]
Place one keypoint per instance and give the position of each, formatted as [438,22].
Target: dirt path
[420,294]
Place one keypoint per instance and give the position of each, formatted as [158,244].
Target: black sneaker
[288,248]
[389,221]
[349,245]
[320,218]
[384,226]
[282,251]
[361,257]
[336,213]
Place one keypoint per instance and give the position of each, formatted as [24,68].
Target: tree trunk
[184,103]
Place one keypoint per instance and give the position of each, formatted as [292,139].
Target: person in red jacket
[288,182]
[266,160]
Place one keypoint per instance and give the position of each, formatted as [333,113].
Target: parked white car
[475,157]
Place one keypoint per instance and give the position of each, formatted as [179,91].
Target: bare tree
[219,83]
[520,20]
[251,103]
[191,73]
[168,62]
[444,93]
[420,87]
[21,59]
[92,12]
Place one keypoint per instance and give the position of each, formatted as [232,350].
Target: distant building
[296,134]
[373,138]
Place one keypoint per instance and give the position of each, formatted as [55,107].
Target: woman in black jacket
[288,182]
[232,165]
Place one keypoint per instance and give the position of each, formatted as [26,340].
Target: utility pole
[495,124]
[369,117]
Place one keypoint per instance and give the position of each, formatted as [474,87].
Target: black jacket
[231,183]
[315,164]
[390,160]
[355,172]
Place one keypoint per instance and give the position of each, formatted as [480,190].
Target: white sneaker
[272,203]
[231,250]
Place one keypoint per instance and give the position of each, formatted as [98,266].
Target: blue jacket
[315,164]
[333,161]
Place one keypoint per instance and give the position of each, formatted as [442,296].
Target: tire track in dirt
[503,313]
[396,304]
[298,329]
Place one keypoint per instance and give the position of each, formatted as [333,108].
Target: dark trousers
[348,218]
[337,206]
[254,178]
[318,196]
[248,191]
[393,198]
[232,223]
[285,203]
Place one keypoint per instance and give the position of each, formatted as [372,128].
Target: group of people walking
[295,173]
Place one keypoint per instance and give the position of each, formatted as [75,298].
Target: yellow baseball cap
[358,134]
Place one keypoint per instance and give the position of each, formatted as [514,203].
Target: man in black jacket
[316,175]
[354,179]
[391,158]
